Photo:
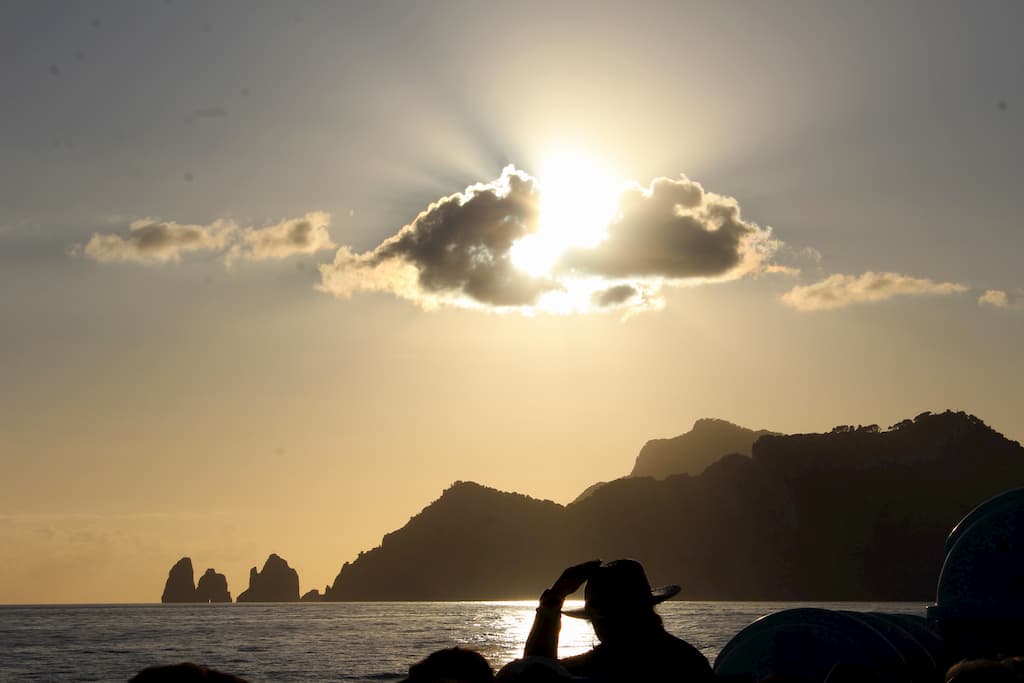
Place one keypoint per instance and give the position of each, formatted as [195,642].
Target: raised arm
[543,638]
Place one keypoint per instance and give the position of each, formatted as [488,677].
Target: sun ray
[578,199]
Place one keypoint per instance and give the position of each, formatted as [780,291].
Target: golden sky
[272,278]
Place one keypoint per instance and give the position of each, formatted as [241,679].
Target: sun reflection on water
[501,631]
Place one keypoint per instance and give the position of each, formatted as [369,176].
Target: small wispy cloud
[840,291]
[150,240]
[999,298]
[306,235]
[995,298]
[153,241]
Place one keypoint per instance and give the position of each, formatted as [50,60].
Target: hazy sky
[249,304]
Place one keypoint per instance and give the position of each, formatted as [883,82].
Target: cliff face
[180,586]
[876,506]
[276,583]
[213,587]
[692,452]
[855,514]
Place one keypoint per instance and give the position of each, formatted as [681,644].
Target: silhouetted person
[620,605]
[183,673]
[454,665]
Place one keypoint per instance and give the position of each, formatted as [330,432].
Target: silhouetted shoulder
[663,658]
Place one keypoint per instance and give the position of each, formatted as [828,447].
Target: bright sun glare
[578,199]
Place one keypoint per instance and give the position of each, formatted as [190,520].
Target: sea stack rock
[213,587]
[180,586]
[276,583]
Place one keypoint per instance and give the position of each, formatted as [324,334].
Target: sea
[360,642]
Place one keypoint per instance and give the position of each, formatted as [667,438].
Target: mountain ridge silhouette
[689,453]
[858,513]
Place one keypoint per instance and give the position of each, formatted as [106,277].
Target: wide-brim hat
[620,587]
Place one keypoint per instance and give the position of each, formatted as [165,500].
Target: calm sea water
[359,642]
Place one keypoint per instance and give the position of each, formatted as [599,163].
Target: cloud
[306,235]
[840,291]
[676,231]
[151,240]
[615,295]
[791,261]
[456,251]
[998,298]
[459,251]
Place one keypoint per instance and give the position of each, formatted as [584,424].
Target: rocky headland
[858,513]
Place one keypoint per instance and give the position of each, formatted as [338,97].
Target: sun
[578,199]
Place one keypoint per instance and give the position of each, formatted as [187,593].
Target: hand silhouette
[574,577]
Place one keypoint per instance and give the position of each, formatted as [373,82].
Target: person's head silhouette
[620,601]
[453,665]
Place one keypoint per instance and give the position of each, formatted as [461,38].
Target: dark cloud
[614,296]
[455,250]
[459,251]
[675,230]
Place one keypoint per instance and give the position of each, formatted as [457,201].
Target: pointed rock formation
[213,587]
[276,583]
[180,586]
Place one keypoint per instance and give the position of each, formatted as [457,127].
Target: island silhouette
[181,586]
[858,513]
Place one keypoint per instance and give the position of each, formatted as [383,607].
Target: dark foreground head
[454,665]
[183,673]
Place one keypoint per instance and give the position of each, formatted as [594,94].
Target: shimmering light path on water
[360,642]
